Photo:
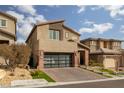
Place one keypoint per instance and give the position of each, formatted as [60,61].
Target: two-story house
[7,28]
[106,51]
[54,44]
[97,43]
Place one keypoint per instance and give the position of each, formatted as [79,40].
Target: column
[76,59]
[86,57]
[40,59]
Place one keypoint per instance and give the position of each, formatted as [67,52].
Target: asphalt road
[101,84]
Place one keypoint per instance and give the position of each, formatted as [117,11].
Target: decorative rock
[2,73]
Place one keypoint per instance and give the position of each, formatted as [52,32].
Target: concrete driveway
[71,74]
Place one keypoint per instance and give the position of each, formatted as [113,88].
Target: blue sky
[89,21]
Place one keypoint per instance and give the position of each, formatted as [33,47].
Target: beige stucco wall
[109,63]
[49,45]
[101,44]
[33,44]
[11,25]
[5,37]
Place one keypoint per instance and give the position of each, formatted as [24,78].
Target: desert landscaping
[19,74]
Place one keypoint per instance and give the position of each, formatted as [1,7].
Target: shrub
[15,54]
[108,71]
[94,63]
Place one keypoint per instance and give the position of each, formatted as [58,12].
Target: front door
[81,58]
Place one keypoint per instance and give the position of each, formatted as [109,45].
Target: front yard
[41,75]
[23,74]
[105,72]
[19,74]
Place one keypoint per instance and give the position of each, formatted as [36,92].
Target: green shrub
[41,75]
[108,70]
[94,63]
[108,76]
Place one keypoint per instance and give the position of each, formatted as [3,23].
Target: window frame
[66,34]
[1,23]
[54,34]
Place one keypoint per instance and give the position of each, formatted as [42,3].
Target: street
[101,84]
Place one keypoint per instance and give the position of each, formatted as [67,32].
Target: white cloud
[88,22]
[95,8]
[20,40]
[118,19]
[54,6]
[122,28]
[29,9]
[114,10]
[81,9]
[100,28]
[25,29]
[25,24]
[39,18]
[88,30]
[20,17]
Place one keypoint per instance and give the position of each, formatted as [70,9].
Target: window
[2,23]
[66,35]
[54,35]
[92,42]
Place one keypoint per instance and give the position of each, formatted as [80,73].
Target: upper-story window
[54,34]
[3,23]
[92,42]
[66,35]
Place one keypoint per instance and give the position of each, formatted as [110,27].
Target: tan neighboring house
[106,51]
[7,30]
[56,45]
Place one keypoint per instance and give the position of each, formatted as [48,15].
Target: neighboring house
[54,44]
[7,30]
[106,51]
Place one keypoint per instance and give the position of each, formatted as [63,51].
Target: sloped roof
[7,33]
[72,30]
[8,15]
[51,22]
[82,45]
[106,51]
[102,39]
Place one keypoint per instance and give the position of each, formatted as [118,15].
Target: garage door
[57,60]
[109,63]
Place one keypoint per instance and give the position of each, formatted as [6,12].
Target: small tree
[15,54]
[22,54]
[5,52]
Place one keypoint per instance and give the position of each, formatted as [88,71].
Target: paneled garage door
[57,60]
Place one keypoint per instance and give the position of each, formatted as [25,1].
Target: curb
[78,82]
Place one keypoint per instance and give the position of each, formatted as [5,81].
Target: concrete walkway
[71,74]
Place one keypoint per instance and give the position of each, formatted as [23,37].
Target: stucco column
[40,59]
[86,52]
[76,59]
